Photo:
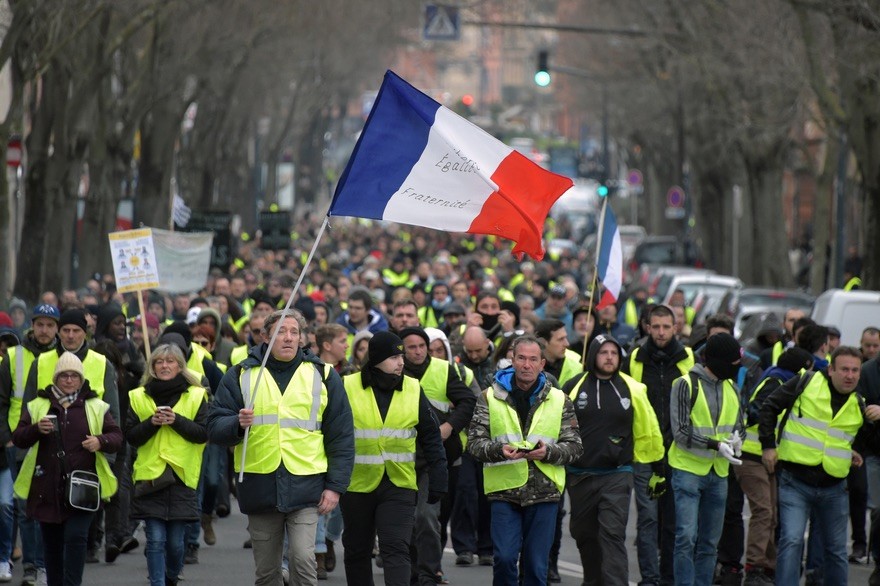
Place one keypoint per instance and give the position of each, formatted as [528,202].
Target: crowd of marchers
[421,393]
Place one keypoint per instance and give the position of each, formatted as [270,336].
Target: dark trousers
[117,510]
[64,549]
[731,546]
[446,504]
[425,551]
[389,512]
[857,485]
[599,514]
[471,520]
[666,515]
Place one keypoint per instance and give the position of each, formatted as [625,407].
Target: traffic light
[602,190]
[542,73]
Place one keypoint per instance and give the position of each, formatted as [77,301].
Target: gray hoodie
[680,409]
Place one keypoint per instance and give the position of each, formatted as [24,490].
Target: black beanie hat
[723,348]
[179,327]
[74,317]
[512,308]
[383,345]
[794,359]
[414,331]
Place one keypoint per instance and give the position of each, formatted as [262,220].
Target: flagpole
[595,275]
[252,396]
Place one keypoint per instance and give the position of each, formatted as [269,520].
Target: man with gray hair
[300,446]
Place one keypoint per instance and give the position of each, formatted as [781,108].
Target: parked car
[850,311]
[668,250]
[664,276]
[748,302]
[710,285]
[631,235]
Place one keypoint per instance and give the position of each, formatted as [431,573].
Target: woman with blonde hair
[167,424]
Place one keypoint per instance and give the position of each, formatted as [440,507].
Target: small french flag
[417,162]
[609,263]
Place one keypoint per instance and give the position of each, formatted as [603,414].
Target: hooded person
[110,330]
[381,497]
[223,347]
[617,421]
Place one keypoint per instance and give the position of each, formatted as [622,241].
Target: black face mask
[385,381]
[723,370]
[489,321]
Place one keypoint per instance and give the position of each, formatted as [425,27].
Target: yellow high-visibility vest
[287,427]
[95,410]
[383,447]
[434,383]
[167,447]
[20,360]
[635,367]
[94,369]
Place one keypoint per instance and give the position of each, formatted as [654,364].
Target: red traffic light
[467,100]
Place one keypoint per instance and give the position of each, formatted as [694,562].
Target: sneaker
[441,578]
[111,552]
[465,558]
[192,554]
[42,579]
[859,555]
[92,556]
[5,572]
[757,577]
[285,576]
[29,578]
[330,557]
[553,575]
[128,544]
[487,559]
[222,511]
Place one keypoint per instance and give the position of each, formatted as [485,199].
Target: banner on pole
[134,260]
[183,258]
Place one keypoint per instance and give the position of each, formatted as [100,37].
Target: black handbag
[82,489]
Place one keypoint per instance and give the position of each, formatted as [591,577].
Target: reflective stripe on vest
[504,427]
[697,460]
[20,360]
[94,368]
[813,436]
[434,383]
[383,447]
[684,365]
[287,427]
[167,447]
[95,411]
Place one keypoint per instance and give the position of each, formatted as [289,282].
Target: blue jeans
[7,514]
[29,529]
[528,530]
[699,520]
[873,465]
[830,505]
[164,550]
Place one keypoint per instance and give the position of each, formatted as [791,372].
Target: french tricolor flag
[416,162]
[609,263]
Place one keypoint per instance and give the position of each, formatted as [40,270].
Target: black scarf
[167,392]
[381,381]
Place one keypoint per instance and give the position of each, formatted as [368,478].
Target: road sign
[675,197]
[13,152]
[634,177]
[442,23]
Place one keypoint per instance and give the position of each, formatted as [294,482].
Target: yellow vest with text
[383,447]
[94,368]
[636,368]
[95,410]
[504,427]
[20,360]
[287,427]
[813,435]
[167,447]
[647,439]
[697,460]
[571,367]
[434,383]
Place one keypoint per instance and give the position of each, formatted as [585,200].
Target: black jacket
[281,490]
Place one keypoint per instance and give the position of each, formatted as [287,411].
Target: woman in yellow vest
[167,424]
[69,411]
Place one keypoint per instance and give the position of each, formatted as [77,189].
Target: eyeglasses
[68,375]
[514,333]
[202,343]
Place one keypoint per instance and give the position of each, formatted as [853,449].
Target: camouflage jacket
[568,448]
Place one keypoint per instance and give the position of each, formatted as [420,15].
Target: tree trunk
[822,215]
[770,268]
[158,136]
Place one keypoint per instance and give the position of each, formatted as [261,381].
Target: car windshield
[711,290]
[773,300]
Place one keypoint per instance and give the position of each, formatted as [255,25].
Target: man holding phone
[526,431]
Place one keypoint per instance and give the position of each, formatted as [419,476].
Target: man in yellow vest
[13,375]
[526,432]
[707,426]
[392,419]
[300,449]
[562,363]
[618,424]
[812,458]
[757,484]
[656,363]
[453,404]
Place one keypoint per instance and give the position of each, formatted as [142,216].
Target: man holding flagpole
[300,454]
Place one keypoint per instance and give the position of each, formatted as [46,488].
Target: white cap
[192,315]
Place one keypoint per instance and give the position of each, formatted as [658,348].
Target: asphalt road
[228,563]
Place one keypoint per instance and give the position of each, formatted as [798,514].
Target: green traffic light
[602,190]
[542,78]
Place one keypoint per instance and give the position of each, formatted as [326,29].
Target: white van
[850,311]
